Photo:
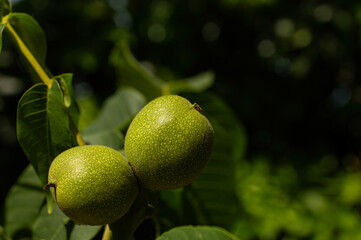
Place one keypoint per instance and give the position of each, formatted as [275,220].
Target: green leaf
[65,81]
[30,32]
[3,235]
[84,232]
[214,189]
[133,74]
[106,137]
[211,198]
[43,128]
[58,226]
[2,27]
[196,83]
[5,8]
[88,106]
[115,116]
[50,226]
[23,203]
[32,36]
[61,136]
[198,232]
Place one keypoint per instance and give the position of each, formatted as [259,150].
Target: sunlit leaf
[114,117]
[2,27]
[133,73]
[50,226]
[196,83]
[197,232]
[43,127]
[5,8]
[23,203]
[84,232]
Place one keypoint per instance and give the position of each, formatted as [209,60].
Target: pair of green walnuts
[167,145]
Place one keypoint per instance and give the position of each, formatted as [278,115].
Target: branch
[75,130]
[125,227]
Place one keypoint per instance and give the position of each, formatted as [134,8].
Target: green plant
[93,185]
[48,123]
[168,143]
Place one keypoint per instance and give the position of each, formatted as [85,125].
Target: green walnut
[93,185]
[168,143]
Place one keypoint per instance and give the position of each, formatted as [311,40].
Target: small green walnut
[93,185]
[168,143]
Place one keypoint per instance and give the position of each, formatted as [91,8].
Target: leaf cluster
[47,124]
[253,198]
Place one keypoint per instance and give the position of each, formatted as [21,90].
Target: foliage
[196,233]
[291,173]
[46,127]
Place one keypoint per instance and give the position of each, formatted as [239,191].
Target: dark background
[288,69]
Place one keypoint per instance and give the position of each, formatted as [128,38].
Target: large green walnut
[168,143]
[93,185]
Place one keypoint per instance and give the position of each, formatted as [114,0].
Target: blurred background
[289,70]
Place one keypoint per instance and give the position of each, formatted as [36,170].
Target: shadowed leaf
[23,203]
[197,232]
[32,36]
[43,128]
[65,81]
[211,198]
[84,232]
[5,8]
[2,27]
[50,226]
[115,116]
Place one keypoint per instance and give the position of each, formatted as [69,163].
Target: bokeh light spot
[10,85]
[157,33]
[123,19]
[211,32]
[162,10]
[302,38]
[266,48]
[323,13]
[284,28]
[118,4]
[300,67]
[314,201]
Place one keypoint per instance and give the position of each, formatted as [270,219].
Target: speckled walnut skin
[168,143]
[93,185]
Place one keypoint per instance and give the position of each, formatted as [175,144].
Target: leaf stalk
[27,53]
